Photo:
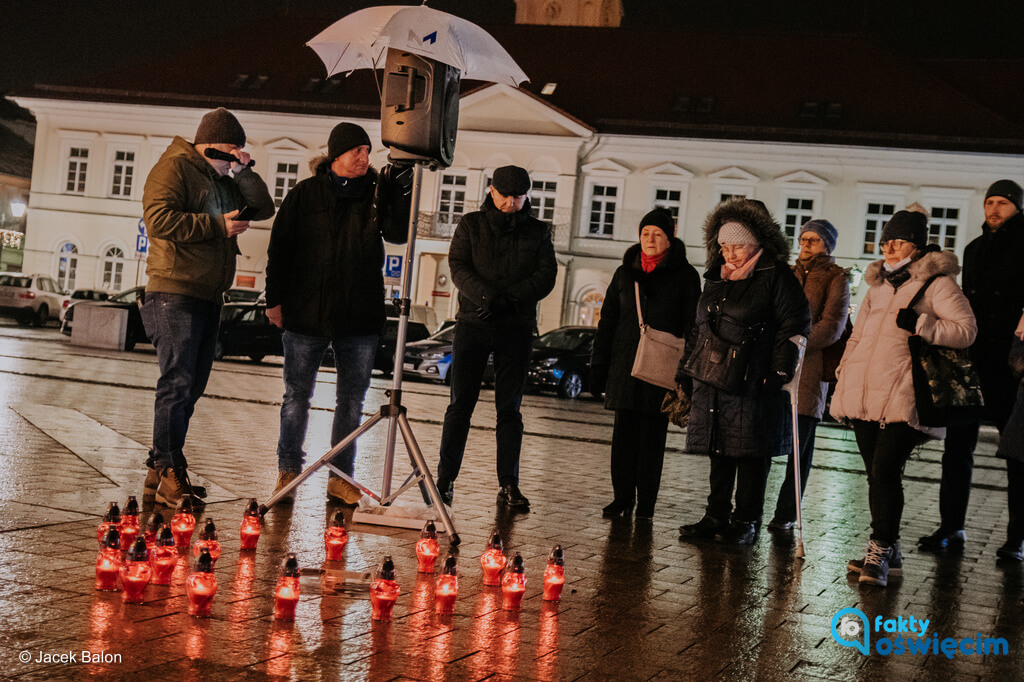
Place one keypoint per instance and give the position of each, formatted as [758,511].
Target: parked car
[242,295]
[417,313]
[385,359]
[30,298]
[82,295]
[131,300]
[560,360]
[246,330]
[432,357]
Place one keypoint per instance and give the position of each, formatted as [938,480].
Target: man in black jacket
[503,264]
[991,281]
[325,287]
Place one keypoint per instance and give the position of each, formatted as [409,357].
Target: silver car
[31,299]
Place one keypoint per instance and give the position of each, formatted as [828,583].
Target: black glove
[774,382]
[906,318]
[502,304]
[398,175]
[598,378]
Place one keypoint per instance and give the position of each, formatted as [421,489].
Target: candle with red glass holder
[427,548]
[129,526]
[135,572]
[251,525]
[513,584]
[201,585]
[183,523]
[447,590]
[163,557]
[208,540]
[493,560]
[108,563]
[153,529]
[384,590]
[554,575]
[335,538]
[112,519]
[286,594]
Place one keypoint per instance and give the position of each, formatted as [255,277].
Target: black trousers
[1015,499]
[785,507]
[957,469]
[749,474]
[638,452]
[472,345]
[885,452]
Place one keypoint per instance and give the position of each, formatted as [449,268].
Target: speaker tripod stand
[393,412]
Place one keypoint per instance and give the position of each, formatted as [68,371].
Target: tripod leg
[435,497]
[344,443]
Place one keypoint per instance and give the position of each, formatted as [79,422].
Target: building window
[124,173]
[724,197]
[453,198]
[877,216]
[113,268]
[669,199]
[603,202]
[798,212]
[285,179]
[67,265]
[942,227]
[542,199]
[78,158]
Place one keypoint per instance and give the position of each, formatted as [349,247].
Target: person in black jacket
[325,287]
[752,303]
[669,289]
[503,263]
[991,281]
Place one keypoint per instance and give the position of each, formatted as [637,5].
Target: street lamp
[17,208]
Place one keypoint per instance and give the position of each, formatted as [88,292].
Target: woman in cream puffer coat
[875,388]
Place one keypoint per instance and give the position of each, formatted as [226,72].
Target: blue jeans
[184,331]
[353,358]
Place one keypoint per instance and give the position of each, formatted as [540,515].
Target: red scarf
[648,263]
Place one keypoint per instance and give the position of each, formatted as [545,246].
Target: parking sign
[392,269]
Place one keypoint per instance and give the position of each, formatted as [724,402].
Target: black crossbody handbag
[719,362]
[946,386]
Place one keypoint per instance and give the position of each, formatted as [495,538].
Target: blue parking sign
[393,266]
[141,244]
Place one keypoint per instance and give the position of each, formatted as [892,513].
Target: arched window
[67,265]
[113,267]
[590,308]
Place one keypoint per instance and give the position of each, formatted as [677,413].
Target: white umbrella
[360,41]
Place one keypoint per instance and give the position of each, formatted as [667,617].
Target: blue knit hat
[824,229]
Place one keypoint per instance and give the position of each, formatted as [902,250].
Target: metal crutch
[793,389]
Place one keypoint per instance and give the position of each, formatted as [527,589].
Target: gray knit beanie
[824,229]
[736,233]
[220,126]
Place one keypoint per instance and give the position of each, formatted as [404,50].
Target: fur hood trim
[756,219]
[928,265]
[321,164]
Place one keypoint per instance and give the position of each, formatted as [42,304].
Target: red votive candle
[201,586]
[384,591]
[335,538]
[112,519]
[286,595]
[554,575]
[513,584]
[447,590]
[208,540]
[251,525]
[129,526]
[135,573]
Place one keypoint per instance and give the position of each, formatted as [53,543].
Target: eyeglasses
[894,244]
[810,241]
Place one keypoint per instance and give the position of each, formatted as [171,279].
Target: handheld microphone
[212,153]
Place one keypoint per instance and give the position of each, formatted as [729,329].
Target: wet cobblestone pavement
[638,603]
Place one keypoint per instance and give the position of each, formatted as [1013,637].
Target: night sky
[43,38]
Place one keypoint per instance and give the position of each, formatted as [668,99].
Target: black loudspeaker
[419,111]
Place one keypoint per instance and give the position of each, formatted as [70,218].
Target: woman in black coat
[752,303]
[669,289]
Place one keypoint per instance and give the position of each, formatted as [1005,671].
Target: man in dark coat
[668,288]
[754,305]
[827,288]
[991,281]
[325,287]
[503,263]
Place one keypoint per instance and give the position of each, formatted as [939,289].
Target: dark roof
[15,154]
[819,88]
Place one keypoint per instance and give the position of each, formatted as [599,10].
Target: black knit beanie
[660,218]
[345,136]
[220,127]
[911,226]
[1008,189]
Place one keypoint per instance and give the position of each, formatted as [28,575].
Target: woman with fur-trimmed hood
[876,388]
[751,306]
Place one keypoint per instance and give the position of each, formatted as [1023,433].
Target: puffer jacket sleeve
[464,274]
[946,318]
[863,314]
[793,316]
[279,251]
[542,279]
[829,328]
[254,193]
[167,206]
